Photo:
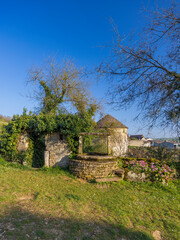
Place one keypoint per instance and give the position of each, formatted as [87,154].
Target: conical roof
[109,122]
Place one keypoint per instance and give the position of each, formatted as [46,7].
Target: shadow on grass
[18,224]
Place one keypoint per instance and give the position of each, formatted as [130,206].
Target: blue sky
[32,31]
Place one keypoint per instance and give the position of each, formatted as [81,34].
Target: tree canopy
[55,85]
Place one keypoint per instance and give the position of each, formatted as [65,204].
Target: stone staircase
[118,175]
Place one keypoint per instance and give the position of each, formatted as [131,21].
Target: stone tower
[118,133]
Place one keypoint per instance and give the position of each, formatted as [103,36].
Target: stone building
[118,134]
[139,141]
[56,150]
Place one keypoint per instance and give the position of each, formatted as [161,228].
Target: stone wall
[136,143]
[57,151]
[93,169]
[23,142]
[139,143]
[118,141]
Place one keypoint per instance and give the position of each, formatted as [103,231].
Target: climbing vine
[37,126]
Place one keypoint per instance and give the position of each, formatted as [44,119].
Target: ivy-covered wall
[37,126]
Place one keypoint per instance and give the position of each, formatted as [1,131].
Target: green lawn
[53,204]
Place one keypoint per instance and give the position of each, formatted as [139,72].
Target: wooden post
[108,145]
[80,151]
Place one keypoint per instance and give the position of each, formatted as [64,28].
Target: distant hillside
[4,118]
[168,139]
[3,121]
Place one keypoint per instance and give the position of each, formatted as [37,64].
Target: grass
[53,204]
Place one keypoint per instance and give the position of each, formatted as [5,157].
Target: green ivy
[37,126]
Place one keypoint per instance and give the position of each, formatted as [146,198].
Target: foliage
[162,154]
[149,160]
[144,68]
[54,85]
[97,149]
[37,126]
[159,153]
[160,172]
[9,139]
[95,144]
[3,121]
[7,164]
[155,170]
[4,118]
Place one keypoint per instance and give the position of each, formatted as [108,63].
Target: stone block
[23,142]
[46,158]
[135,177]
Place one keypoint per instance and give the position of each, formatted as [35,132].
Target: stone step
[109,179]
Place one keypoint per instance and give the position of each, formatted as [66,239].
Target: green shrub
[99,148]
[95,144]
[159,153]
[155,169]
[37,126]
[162,153]
[5,163]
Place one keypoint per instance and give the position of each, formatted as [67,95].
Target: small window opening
[61,137]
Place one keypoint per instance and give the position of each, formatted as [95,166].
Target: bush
[162,153]
[159,153]
[37,126]
[157,171]
[4,163]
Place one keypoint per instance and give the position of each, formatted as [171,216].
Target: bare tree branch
[147,70]
[57,84]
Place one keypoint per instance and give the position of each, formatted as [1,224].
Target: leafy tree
[56,84]
[145,69]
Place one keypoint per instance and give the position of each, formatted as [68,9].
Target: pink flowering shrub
[139,166]
[155,171]
[160,172]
